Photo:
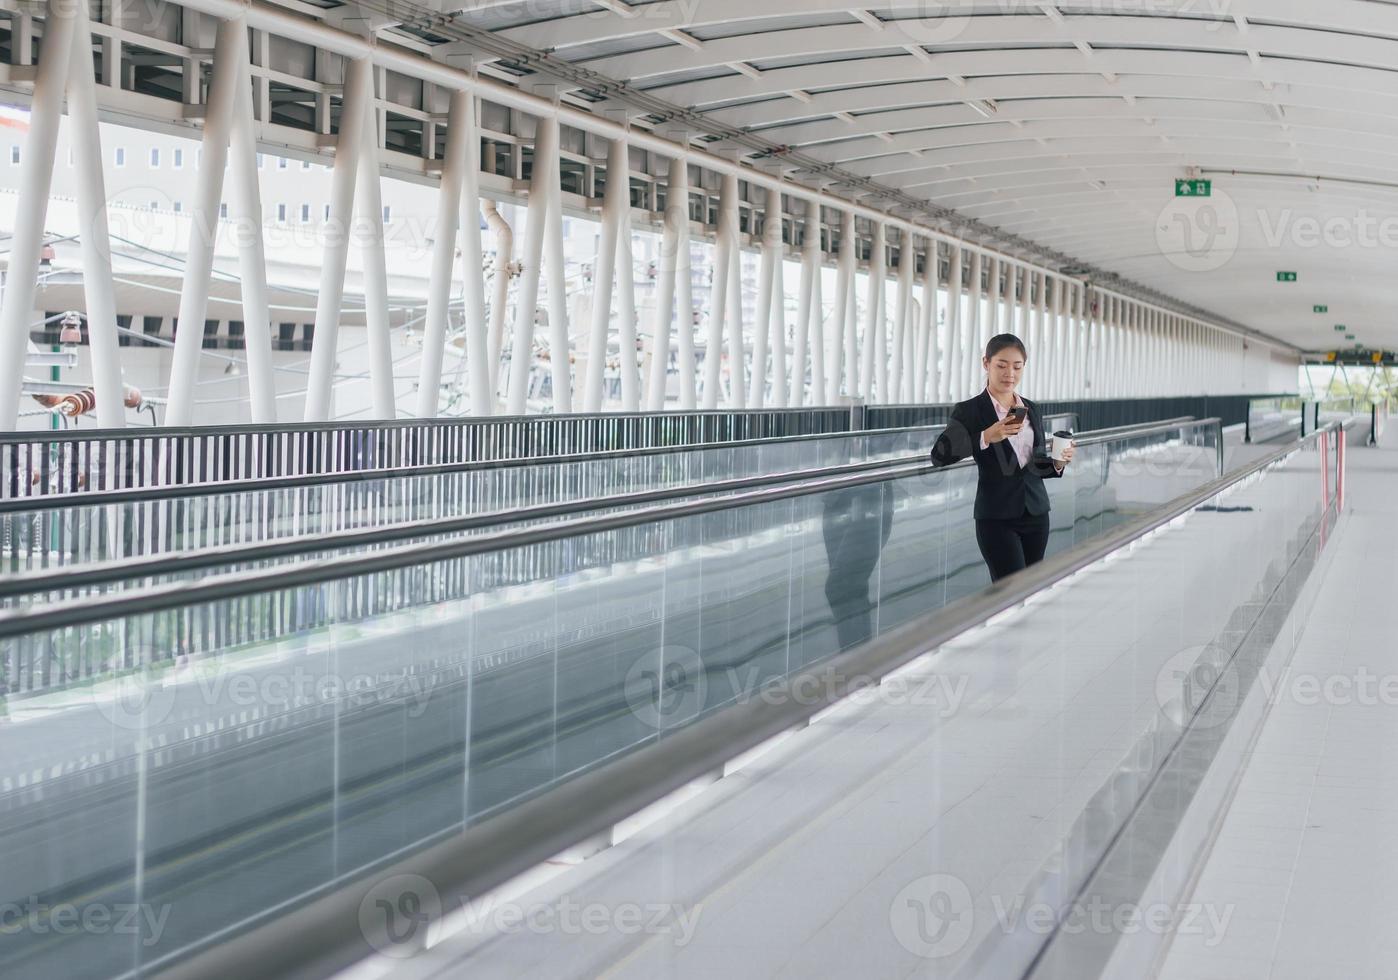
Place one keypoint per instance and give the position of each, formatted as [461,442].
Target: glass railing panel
[1085,500]
[50,536]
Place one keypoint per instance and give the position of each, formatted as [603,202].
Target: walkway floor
[965,777]
[1307,858]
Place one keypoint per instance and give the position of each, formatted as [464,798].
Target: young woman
[1004,433]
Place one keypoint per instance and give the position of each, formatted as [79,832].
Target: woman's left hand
[1067,457]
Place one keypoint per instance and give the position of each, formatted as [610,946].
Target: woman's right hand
[1003,429]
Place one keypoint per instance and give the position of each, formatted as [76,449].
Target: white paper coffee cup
[1059,446]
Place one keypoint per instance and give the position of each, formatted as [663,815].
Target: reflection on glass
[216,759]
[855,524]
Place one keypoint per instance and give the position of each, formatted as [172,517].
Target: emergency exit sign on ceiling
[1286,277]
[1320,309]
[1194,188]
[1340,328]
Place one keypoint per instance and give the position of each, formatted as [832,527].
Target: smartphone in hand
[1017,414]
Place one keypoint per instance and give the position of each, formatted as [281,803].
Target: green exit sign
[1340,328]
[1286,277]
[1349,336]
[1320,309]
[1194,188]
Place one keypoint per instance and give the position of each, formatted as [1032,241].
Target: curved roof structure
[1054,132]
[1064,125]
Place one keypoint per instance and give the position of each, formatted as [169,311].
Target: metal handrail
[104,572]
[91,609]
[349,425]
[38,464]
[1117,429]
[206,488]
[92,573]
[323,935]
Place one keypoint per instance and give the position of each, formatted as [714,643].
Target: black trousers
[1012,545]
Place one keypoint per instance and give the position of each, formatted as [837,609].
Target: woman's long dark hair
[1002,341]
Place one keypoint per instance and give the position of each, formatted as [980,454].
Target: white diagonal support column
[1080,312]
[245,208]
[504,240]
[1075,307]
[684,303]
[370,227]
[359,88]
[951,377]
[808,307]
[1129,323]
[1154,362]
[1144,380]
[675,238]
[1101,382]
[1022,296]
[480,359]
[616,199]
[1139,383]
[820,384]
[993,299]
[560,346]
[1097,310]
[1127,319]
[1046,327]
[911,371]
[777,339]
[98,288]
[926,356]
[1122,348]
[31,205]
[626,305]
[439,279]
[1039,287]
[1066,330]
[737,348]
[842,351]
[1107,358]
[1177,325]
[1072,344]
[1159,360]
[844,365]
[725,247]
[203,225]
[771,255]
[881,360]
[527,296]
[902,305]
[873,316]
[972,368]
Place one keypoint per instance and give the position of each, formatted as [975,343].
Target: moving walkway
[434,683]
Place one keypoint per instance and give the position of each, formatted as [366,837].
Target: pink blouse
[1023,442]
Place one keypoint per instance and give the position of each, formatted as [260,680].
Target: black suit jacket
[1006,490]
